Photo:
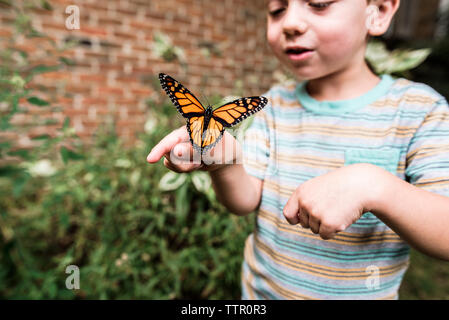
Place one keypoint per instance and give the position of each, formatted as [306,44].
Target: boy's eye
[320,5]
[276,12]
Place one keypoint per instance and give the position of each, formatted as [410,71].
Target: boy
[346,169]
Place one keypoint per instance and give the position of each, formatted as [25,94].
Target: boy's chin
[307,73]
[302,75]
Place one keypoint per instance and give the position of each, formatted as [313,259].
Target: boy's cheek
[340,37]
[334,46]
[273,35]
[274,43]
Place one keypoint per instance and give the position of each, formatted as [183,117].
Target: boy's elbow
[241,209]
[241,198]
[241,212]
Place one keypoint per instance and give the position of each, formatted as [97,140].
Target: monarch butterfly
[204,125]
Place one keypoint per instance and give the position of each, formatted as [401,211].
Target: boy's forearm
[420,217]
[235,189]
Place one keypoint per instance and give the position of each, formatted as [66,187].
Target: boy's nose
[295,29]
[294,22]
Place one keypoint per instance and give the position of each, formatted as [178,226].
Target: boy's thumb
[182,152]
[181,149]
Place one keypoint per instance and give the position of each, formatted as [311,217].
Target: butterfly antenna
[205,98]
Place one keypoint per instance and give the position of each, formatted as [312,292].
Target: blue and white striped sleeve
[256,145]
[428,152]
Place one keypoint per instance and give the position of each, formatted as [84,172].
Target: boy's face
[334,32]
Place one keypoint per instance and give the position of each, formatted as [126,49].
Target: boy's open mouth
[298,53]
[297,50]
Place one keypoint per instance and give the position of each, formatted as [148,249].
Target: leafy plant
[164,48]
[18,94]
[130,239]
[398,61]
[21,165]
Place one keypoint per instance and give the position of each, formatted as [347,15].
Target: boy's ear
[380,14]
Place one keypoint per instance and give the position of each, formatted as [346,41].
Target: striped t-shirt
[400,125]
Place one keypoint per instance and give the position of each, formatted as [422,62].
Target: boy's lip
[296,49]
[298,53]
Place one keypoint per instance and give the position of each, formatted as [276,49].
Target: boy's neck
[343,85]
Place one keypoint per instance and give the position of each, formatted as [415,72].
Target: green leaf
[5,145]
[15,103]
[37,101]
[4,96]
[181,201]
[172,181]
[201,181]
[410,60]
[64,219]
[66,124]
[17,81]
[19,184]
[5,124]
[396,61]
[23,54]
[42,137]
[10,171]
[68,155]
[51,122]
[23,153]
[33,33]
[67,61]
[45,5]
[43,69]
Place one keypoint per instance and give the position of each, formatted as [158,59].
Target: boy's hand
[181,157]
[332,202]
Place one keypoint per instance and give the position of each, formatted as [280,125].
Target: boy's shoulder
[283,89]
[281,95]
[409,90]
[404,93]
[401,86]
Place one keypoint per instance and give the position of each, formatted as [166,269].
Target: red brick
[93,31]
[5,33]
[186,22]
[125,35]
[88,101]
[141,91]
[75,112]
[110,90]
[92,78]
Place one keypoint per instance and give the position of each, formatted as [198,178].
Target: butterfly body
[207,116]
[205,125]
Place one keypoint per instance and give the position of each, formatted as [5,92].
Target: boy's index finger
[291,209]
[166,144]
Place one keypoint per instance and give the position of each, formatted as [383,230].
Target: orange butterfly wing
[190,108]
[233,112]
[212,134]
[186,103]
[229,115]
[195,127]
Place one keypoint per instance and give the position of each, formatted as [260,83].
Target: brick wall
[115,60]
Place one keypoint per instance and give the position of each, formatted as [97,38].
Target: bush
[107,215]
